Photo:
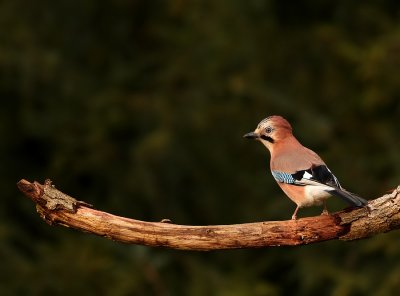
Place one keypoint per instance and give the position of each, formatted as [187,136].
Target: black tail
[349,197]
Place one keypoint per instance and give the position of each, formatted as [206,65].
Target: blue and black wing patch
[283,177]
[322,175]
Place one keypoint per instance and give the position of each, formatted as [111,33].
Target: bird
[300,172]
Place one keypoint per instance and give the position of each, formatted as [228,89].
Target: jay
[299,171]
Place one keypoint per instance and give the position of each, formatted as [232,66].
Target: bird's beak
[251,135]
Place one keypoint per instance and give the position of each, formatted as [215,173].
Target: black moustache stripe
[266,138]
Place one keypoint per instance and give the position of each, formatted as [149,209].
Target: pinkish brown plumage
[299,171]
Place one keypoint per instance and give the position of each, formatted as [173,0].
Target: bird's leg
[294,216]
[325,210]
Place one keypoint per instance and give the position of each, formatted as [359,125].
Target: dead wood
[57,208]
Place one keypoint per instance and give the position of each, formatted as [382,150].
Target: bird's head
[271,130]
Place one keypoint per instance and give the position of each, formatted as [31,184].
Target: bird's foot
[294,216]
[324,212]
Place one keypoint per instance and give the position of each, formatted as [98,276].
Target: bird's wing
[317,176]
[312,176]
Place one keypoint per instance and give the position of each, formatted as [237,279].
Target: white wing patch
[307,175]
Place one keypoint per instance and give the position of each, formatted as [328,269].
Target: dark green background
[139,108]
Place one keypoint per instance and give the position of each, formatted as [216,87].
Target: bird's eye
[268,130]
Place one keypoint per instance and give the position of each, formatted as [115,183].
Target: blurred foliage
[139,107]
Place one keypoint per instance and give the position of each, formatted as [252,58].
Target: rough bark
[57,208]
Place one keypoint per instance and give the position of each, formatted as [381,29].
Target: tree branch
[381,215]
